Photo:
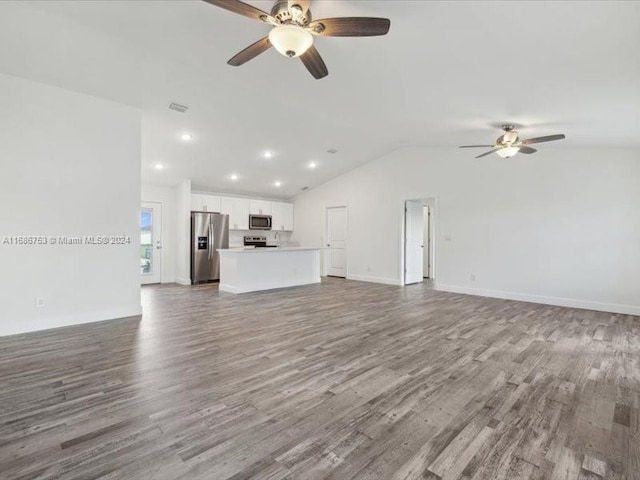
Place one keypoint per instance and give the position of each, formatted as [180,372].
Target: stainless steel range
[258,242]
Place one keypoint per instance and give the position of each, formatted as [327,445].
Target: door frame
[433,202]
[325,262]
[158,259]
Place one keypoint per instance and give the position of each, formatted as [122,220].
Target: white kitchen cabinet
[260,207]
[205,203]
[238,211]
[282,216]
[196,202]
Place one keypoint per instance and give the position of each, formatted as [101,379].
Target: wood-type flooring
[343,380]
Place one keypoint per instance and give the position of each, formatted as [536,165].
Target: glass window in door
[146,241]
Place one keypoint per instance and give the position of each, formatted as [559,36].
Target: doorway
[427,269]
[337,231]
[150,243]
[418,241]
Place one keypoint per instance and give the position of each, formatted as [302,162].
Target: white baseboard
[557,301]
[365,278]
[71,320]
[183,281]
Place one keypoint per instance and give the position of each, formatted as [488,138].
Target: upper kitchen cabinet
[282,216]
[205,203]
[260,207]
[238,211]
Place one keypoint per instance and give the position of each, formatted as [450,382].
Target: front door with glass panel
[150,242]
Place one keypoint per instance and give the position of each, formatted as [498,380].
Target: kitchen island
[245,270]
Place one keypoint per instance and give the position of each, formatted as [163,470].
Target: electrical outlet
[39,302]
[369,268]
[473,277]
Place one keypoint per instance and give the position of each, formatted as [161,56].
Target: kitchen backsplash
[236,237]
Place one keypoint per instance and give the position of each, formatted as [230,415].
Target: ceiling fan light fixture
[290,40]
[508,152]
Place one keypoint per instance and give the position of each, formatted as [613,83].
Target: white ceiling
[443,76]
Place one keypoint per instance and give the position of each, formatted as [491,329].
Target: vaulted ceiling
[447,74]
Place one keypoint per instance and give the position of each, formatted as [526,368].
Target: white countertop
[266,249]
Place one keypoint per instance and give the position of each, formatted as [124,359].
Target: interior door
[426,269]
[150,243]
[337,230]
[414,246]
[201,247]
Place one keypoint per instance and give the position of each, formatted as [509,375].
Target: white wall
[183,233]
[166,196]
[70,166]
[559,227]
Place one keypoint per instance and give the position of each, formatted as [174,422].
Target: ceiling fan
[294,30]
[508,144]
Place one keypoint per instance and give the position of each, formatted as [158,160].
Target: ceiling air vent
[178,108]
[304,188]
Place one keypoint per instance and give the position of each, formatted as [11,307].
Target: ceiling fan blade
[350,27]
[489,152]
[241,8]
[548,138]
[314,63]
[250,52]
[475,146]
[303,4]
[527,150]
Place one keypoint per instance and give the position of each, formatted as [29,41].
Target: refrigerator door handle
[210,241]
[213,241]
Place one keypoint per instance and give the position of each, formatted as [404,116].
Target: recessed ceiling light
[158,166]
[313,165]
[187,137]
[277,184]
[268,154]
[234,176]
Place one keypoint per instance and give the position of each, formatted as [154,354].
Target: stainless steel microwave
[259,222]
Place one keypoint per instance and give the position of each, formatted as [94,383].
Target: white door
[414,237]
[426,269]
[337,241]
[150,242]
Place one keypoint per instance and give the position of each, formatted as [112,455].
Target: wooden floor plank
[342,380]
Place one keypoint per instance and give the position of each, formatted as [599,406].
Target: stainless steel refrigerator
[209,232]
